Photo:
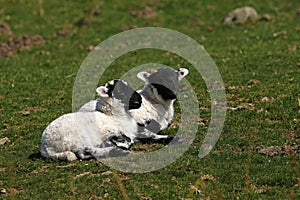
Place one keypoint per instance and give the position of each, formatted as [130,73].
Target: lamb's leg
[166,139]
[105,152]
[66,155]
[148,133]
[83,154]
[116,145]
[121,140]
[150,137]
[50,152]
[154,138]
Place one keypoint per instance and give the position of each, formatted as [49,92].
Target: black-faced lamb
[83,135]
[156,112]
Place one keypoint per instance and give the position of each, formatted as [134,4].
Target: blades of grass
[120,185]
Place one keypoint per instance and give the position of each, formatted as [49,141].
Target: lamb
[158,96]
[157,110]
[85,135]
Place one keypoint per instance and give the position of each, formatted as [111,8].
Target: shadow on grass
[36,156]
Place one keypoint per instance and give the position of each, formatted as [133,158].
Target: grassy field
[258,153]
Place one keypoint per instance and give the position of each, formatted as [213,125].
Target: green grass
[43,77]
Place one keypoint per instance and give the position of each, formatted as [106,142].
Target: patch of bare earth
[243,106]
[298,12]
[147,13]
[27,111]
[5,29]
[24,42]
[128,27]
[293,135]
[91,15]
[63,32]
[277,150]
[260,189]
[93,11]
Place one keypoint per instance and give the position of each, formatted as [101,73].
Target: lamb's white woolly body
[76,131]
[84,134]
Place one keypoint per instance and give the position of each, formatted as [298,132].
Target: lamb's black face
[165,81]
[120,90]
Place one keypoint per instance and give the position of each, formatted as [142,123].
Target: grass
[256,60]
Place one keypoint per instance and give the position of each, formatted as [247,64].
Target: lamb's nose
[136,104]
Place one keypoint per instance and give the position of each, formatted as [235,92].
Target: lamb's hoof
[172,140]
[84,154]
[118,152]
[87,150]
[177,140]
[71,156]
[166,140]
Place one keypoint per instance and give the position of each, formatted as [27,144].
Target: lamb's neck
[119,111]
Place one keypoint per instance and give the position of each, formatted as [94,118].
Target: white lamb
[157,110]
[97,135]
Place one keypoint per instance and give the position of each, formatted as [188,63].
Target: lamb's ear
[143,76]
[182,72]
[102,91]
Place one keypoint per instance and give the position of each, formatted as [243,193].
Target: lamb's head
[165,81]
[120,91]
